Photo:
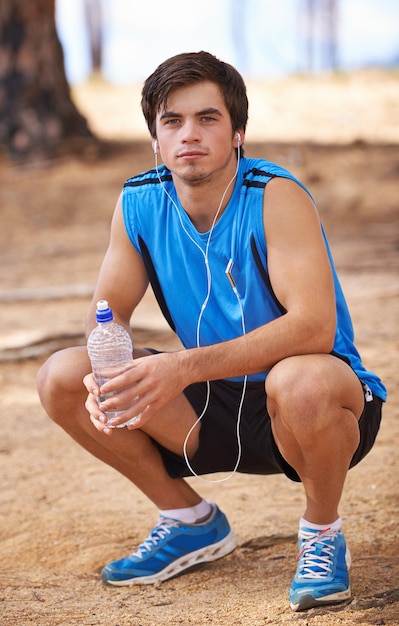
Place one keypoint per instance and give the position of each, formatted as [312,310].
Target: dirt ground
[63,514]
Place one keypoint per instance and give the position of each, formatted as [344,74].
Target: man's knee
[294,382]
[62,373]
[313,392]
[300,391]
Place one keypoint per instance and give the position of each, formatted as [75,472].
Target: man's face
[194,133]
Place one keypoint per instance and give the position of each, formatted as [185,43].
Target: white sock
[334,525]
[191,514]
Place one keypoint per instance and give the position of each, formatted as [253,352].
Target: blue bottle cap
[103,312]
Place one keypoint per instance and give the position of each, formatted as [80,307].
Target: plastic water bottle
[110,352]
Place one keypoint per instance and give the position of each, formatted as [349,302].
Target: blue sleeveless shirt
[174,253]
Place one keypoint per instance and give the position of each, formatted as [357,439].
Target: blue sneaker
[322,575]
[171,548]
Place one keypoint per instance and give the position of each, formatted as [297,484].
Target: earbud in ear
[155,146]
[238,136]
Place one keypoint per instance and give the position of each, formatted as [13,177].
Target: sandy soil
[63,514]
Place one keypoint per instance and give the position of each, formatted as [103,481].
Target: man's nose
[191,132]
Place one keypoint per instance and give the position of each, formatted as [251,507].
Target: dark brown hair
[189,68]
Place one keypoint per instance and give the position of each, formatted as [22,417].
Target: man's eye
[172,122]
[207,118]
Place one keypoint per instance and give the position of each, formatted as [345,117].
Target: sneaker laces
[158,533]
[317,553]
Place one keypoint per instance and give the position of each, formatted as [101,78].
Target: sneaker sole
[204,555]
[307,601]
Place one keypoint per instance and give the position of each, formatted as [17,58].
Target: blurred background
[315,69]
[127,39]
[72,70]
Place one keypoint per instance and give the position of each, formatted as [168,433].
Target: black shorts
[218,446]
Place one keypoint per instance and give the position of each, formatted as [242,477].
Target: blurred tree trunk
[331,34]
[238,18]
[320,19]
[94,19]
[37,115]
[310,37]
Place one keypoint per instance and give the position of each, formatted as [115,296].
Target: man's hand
[147,386]
[97,417]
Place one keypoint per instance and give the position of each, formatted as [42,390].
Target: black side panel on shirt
[153,278]
[264,274]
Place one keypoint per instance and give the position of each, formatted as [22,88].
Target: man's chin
[192,175]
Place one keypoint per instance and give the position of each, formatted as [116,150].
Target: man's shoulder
[259,171]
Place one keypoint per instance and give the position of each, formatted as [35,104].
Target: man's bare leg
[130,452]
[173,546]
[315,402]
